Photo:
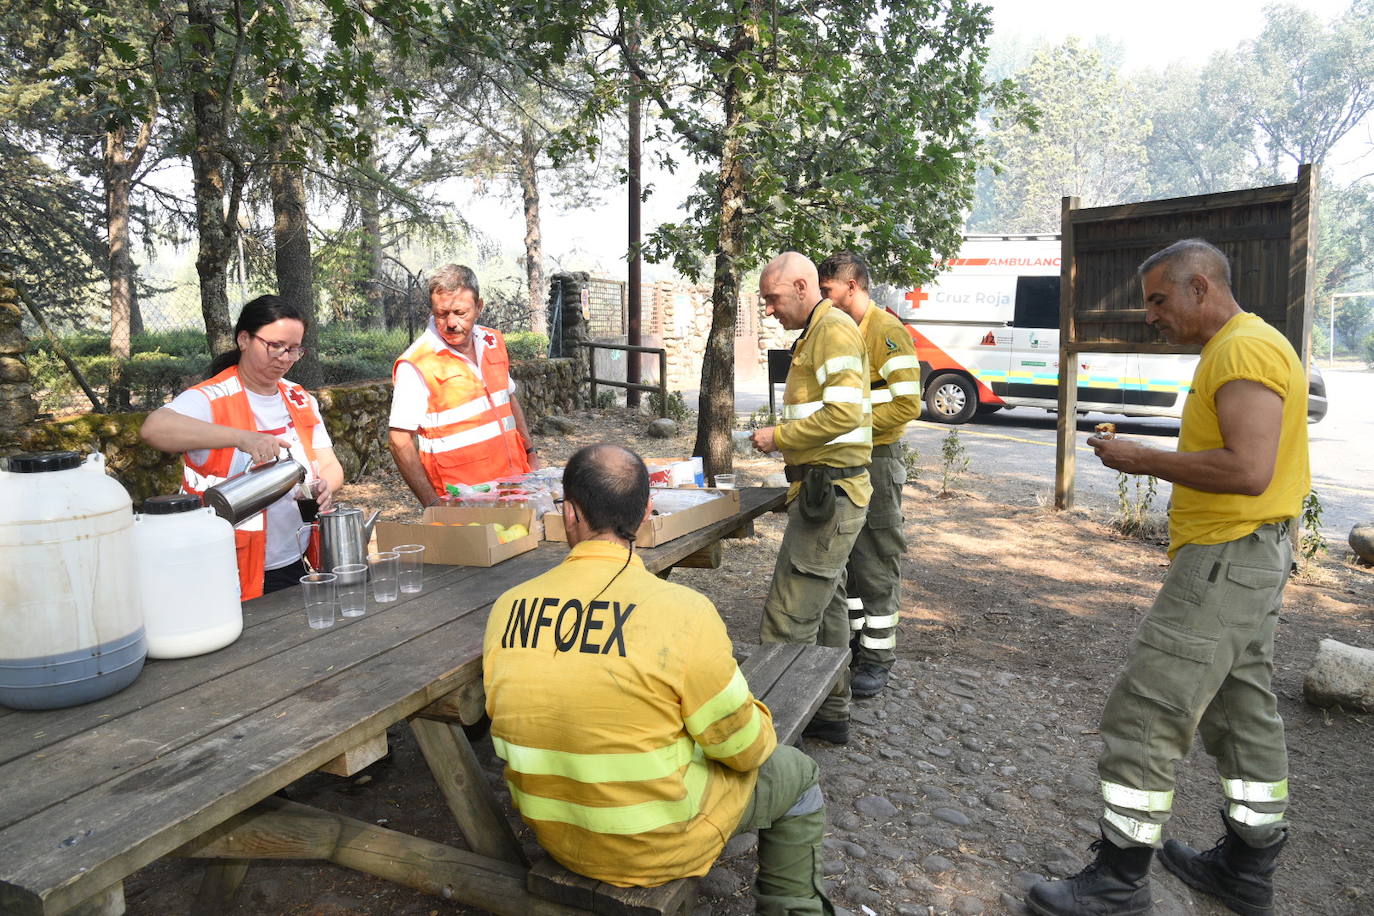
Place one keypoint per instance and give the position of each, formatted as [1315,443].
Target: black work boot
[1237,874]
[867,681]
[1116,883]
[835,731]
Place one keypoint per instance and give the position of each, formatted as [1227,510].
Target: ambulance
[987,335]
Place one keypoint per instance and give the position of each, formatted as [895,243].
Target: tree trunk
[118,179]
[372,251]
[216,221]
[291,238]
[716,418]
[534,239]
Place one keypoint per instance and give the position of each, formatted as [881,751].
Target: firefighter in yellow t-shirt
[1204,654]
[633,746]
[826,440]
[873,573]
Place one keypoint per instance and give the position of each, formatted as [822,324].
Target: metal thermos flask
[247,494]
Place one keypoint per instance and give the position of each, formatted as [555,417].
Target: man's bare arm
[1251,418]
[407,458]
[523,428]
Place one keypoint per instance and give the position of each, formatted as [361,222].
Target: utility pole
[633,274]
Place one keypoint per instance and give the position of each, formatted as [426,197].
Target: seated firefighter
[633,746]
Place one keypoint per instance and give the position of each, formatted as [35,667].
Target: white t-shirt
[271,416]
[410,394]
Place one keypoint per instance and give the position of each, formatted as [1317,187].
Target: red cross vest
[229,406]
[468,432]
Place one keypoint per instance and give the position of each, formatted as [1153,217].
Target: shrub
[1369,350]
[527,345]
[354,367]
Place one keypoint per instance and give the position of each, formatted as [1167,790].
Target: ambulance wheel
[951,398]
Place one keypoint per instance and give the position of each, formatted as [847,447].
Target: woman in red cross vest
[245,414]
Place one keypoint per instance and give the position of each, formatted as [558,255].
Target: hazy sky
[1152,35]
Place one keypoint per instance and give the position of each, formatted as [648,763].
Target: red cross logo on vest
[916,297]
[489,339]
[297,397]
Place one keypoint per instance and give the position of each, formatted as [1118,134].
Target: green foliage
[911,462]
[674,409]
[1369,350]
[1135,494]
[1311,543]
[527,345]
[605,400]
[1086,141]
[759,419]
[954,462]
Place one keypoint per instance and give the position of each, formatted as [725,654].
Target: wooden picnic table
[186,760]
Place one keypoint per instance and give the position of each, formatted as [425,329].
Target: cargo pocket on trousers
[1251,592]
[825,555]
[1167,665]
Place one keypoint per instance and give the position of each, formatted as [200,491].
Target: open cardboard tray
[661,528]
[455,543]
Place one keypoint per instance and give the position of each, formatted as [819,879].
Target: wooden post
[1302,250]
[1064,458]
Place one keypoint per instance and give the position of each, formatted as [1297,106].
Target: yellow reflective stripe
[1252,818]
[862,434]
[800,411]
[734,695]
[899,362]
[842,394]
[905,389]
[1136,799]
[880,396]
[596,768]
[1245,790]
[624,819]
[1139,831]
[741,739]
[887,642]
[837,364]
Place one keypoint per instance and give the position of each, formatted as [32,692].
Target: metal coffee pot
[344,534]
[244,495]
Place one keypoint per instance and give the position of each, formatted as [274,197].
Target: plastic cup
[383,568]
[725,481]
[319,599]
[412,567]
[351,589]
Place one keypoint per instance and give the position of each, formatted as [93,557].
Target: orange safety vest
[229,407]
[468,432]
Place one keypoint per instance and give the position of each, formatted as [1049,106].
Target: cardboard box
[662,528]
[676,472]
[456,543]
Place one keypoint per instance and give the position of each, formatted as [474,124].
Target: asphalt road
[1018,444]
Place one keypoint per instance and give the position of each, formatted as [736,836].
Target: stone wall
[355,415]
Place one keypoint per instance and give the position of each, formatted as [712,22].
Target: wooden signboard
[1268,234]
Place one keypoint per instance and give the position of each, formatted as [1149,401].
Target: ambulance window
[1037,302]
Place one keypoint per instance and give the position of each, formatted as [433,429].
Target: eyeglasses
[275,349]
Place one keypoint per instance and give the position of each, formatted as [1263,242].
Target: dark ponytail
[255,314]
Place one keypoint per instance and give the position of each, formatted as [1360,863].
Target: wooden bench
[792,680]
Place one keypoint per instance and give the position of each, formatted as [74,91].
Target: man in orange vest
[454,415]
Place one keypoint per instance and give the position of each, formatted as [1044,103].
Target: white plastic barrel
[71,616]
[190,579]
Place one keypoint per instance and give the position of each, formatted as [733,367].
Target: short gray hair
[452,278]
[1187,258]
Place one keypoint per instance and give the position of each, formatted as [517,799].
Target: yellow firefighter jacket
[630,737]
[894,374]
[826,415]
